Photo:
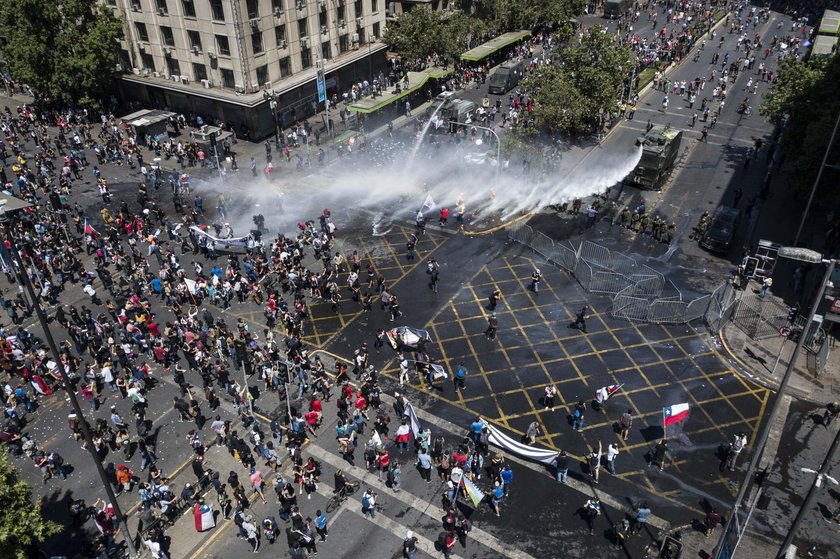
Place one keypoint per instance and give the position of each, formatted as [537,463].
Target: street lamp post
[803,255]
[23,277]
[271,96]
[806,506]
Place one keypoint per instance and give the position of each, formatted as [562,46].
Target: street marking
[416,503]
[424,544]
[777,426]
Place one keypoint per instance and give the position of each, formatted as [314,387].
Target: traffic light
[750,266]
[213,140]
[793,313]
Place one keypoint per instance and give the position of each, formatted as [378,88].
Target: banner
[429,203]
[223,245]
[515,447]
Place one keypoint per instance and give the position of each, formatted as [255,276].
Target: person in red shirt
[444,216]
[361,402]
[448,544]
[384,463]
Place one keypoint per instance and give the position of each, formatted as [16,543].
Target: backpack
[365,501]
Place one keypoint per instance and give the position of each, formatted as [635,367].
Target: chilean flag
[89,230]
[674,414]
[203,515]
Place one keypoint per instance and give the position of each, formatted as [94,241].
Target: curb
[759,378]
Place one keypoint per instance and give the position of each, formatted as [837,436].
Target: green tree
[417,33]
[582,82]
[806,95]
[21,524]
[64,49]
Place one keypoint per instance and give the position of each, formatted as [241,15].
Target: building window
[223,44]
[188,7]
[256,41]
[227,78]
[322,19]
[358,9]
[306,58]
[166,36]
[343,43]
[280,34]
[161,6]
[326,50]
[275,4]
[199,71]
[303,28]
[285,67]
[253,9]
[262,75]
[374,6]
[195,39]
[142,32]
[173,67]
[112,2]
[218,10]
[148,61]
[376,30]
[340,13]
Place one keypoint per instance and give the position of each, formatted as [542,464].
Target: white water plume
[383,188]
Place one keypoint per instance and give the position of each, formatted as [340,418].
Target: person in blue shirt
[321,525]
[459,377]
[496,497]
[507,477]
[477,427]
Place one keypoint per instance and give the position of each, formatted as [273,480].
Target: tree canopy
[807,95]
[64,49]
[421,32]
[583,81]
[21,524]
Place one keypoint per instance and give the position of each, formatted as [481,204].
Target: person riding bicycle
[341,483]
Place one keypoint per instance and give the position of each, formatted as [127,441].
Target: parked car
[720,234]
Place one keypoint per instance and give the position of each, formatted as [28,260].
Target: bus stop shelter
[416,82]
[830,23]
[493,46]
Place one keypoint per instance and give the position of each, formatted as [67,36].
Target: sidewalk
[757,358]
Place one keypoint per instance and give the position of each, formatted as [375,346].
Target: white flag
[429,203]
[191,285]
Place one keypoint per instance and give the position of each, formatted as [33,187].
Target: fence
[639,291]
[759,317]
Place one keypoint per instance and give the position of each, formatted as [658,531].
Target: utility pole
[23,277]
[809,500]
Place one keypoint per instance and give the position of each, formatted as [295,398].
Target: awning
[416,80]
[494,45]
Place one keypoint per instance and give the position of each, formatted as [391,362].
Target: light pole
[498,143]
[371,40]
[809,499]
[802,255]
[23,277]
[817,181]
[271,96]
